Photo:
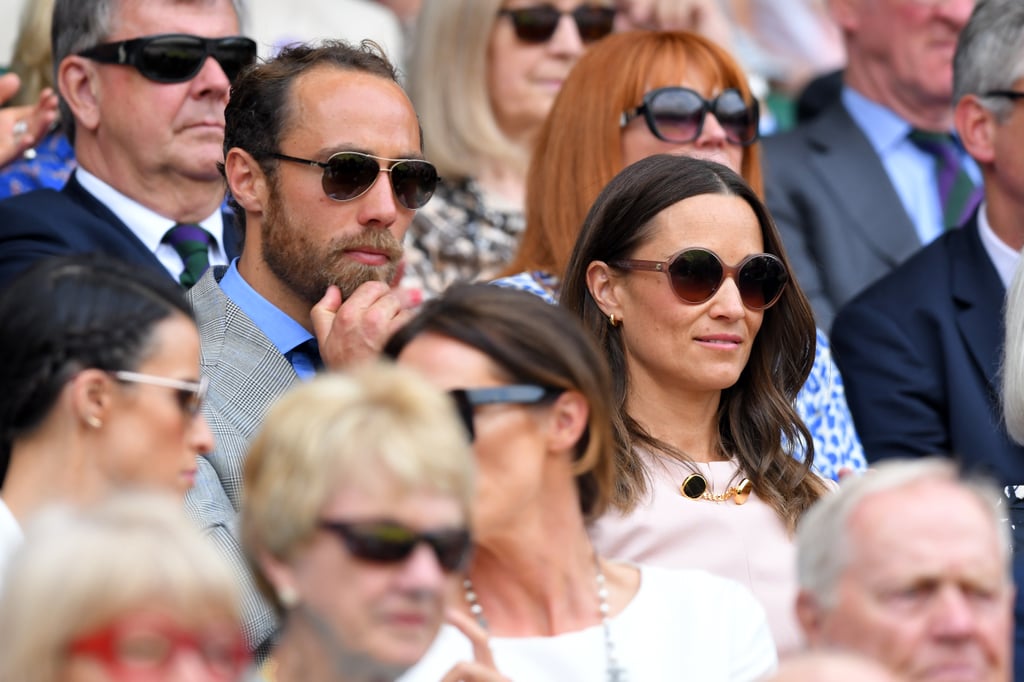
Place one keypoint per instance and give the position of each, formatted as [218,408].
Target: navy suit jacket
[47,222]
[919,354]
[841,220]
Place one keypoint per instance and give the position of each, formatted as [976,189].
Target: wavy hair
[757,421]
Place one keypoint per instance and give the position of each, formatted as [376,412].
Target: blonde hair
[79,570]
[447,83]
[347,428]
[32,59]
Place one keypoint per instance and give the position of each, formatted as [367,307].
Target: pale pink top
[748,543]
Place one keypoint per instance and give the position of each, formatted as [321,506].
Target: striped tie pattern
[193,246]
[957,192]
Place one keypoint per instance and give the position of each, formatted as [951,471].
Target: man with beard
[323,158]
[143,87]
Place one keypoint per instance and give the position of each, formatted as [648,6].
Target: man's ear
[811,616]
[246,180]
[976,126]
[603,285]
[79,86]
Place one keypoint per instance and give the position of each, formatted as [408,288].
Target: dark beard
[308,267]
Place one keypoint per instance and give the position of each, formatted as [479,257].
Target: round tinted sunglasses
[695,275]
[677,115]
[390,542]
[350,175]
[536,24]
[521,394]
[176,57]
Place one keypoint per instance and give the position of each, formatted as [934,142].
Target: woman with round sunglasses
[101,387]
[356,522]
[680,274]
[661,92]
[483,75]
[538,602]
[125,591]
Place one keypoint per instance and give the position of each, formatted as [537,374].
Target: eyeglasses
[677,115]
[536,24]
[176,57]
[390,542]
[1009,94]
[191,394]
[696,274]
[134,648]
[518,394]
[350,175]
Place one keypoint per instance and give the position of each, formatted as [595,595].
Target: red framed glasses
[696,274]
[138,647]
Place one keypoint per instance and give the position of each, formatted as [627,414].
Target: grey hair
[823,546]
[81,24]
[990,54]
[1012,372]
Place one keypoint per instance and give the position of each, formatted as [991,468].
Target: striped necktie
[957,191]
[193,246]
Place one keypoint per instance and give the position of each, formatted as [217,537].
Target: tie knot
[192,243]
[938,144]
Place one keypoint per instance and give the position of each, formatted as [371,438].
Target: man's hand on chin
[354,330]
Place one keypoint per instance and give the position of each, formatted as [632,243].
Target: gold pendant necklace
[695,487]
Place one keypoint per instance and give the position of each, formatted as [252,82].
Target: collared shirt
[911,170]
[149,226]
[285,333]
[11,537]
[1003,256]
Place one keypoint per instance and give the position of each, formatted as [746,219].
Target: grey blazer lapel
[851,170]
[246,372]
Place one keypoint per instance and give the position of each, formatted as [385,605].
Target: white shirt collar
[1003,257]
[149,226]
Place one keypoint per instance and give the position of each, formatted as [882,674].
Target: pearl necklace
[615,672]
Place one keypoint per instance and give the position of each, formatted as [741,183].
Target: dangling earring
[613,321]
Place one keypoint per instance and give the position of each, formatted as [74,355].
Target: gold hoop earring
[613,321]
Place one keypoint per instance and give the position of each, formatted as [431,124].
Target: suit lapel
[978,296]
[847,163]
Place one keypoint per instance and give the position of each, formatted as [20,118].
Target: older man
[143,86]
[856,191]
[910,566]
[323,156]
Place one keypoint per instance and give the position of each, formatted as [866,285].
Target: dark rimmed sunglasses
[191,394]
[696,274]
[350,175]
[677,115]
[176,57]
[537,23]
[390,542]
[466,399]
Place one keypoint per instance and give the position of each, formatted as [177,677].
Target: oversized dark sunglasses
[390,542]
[350,175]
[536,24]
[176,57]
[696,274]
[677,115]
[466,399]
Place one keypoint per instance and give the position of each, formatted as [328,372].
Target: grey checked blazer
[247,374]
[840,218]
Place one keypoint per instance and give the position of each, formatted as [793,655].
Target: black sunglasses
[389,542]
[538,23]
[521,394]
[176,57]
[350,175]
[677,115]
[696,274]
